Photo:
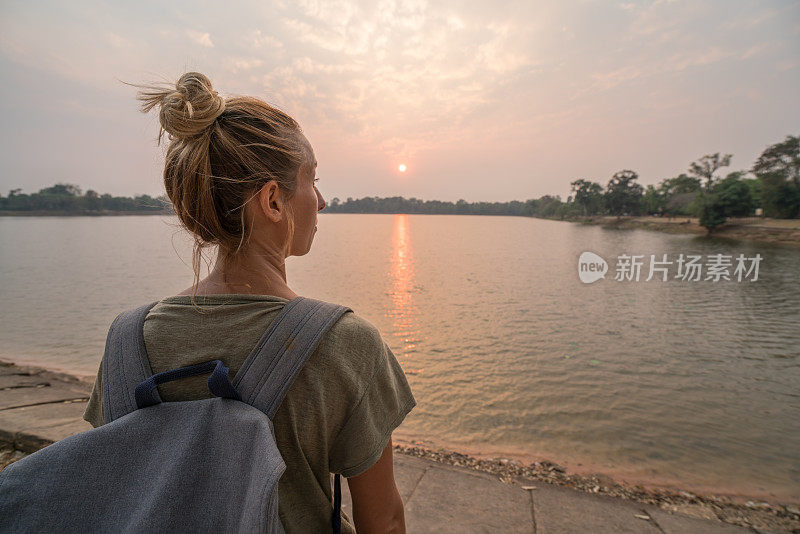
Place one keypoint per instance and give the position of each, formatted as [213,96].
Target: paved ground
[39,407]
[442,499]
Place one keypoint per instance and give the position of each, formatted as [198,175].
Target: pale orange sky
[482,101]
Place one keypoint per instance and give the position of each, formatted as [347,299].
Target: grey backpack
[209,465]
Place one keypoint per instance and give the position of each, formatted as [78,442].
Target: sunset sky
[480,100]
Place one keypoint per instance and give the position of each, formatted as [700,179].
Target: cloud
[391,77]
[259,41]
[675,63]
[608,80]
[755,50]
[751,20]
[238,64]
[201,38]
[685,60]
[500,53]
[117,41]
[350,40]
[383,70]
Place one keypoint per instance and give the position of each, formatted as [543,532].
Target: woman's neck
[262,274]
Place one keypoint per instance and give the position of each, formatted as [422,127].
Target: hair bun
[188,108]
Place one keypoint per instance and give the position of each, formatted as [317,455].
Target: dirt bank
[762,230]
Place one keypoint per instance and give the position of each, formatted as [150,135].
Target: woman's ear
[271,202]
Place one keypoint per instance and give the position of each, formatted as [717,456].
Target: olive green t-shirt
[337,416]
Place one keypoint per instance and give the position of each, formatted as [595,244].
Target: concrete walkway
[38,407]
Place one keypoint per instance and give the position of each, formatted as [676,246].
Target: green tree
[705,167]
[679,185]
[548,205]
[730,197]
[782,158]
[712,211]
[70,190]
[734,195]
[623,194]
[754,184]
[92,200]
[778,172]
[588,195]
[654,200]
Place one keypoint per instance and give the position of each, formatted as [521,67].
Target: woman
[241,177]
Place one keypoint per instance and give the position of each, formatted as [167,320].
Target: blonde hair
[221,153]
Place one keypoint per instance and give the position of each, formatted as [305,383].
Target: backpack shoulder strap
[125,362]
[274,363]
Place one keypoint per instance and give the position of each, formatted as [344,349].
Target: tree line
[772,184]
[68,198]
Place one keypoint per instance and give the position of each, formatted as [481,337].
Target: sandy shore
[747,513]
[762,230]
[628,476]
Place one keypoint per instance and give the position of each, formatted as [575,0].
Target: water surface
[691,383]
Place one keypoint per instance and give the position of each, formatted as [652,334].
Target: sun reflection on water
[403,310]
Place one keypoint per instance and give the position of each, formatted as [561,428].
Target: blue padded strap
[125,363]
[274,363]
[147,395]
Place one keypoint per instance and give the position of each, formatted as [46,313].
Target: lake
[688,383]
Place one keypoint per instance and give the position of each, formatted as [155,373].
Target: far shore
[87,213]
[758,229]
[729,507]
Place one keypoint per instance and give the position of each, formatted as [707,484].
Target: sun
[402,167]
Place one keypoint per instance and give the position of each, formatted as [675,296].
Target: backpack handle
[218,382]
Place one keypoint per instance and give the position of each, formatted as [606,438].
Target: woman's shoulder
[351,325]
[355,342]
